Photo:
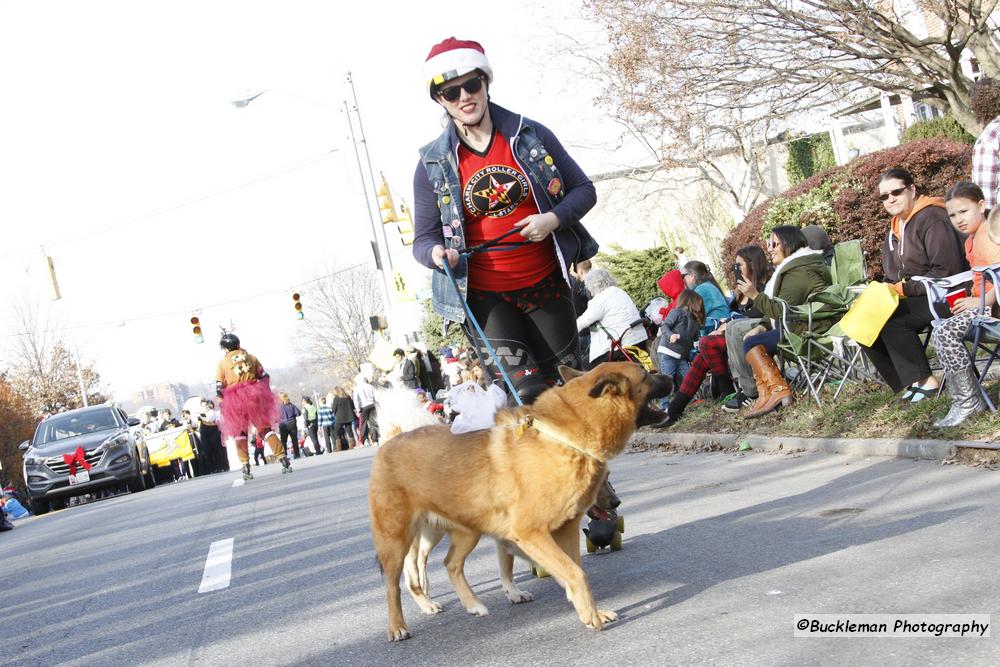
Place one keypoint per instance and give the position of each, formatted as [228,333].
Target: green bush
[637,271]
[808,155]
[814,207]
[945,127]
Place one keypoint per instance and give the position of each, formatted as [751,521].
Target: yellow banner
[164,447]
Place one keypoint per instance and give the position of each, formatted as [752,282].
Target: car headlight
[34,459]
[119,440]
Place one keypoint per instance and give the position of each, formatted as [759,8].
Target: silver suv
[109,445]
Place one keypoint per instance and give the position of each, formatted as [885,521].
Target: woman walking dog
[492,173]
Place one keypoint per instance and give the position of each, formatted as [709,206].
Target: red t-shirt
[496,194]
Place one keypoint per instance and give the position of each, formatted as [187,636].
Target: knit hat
[453,58]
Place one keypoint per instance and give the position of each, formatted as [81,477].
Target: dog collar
[540,426]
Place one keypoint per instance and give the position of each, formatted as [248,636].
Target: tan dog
[434,529]
[530,477]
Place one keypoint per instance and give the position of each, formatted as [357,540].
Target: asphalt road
[721,551]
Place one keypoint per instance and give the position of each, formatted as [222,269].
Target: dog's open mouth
[650,412]
[598,513]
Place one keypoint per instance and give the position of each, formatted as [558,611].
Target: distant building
[163,394]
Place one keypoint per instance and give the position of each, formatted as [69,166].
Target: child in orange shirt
[967,210]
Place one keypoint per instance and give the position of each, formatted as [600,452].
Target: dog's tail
[400,411]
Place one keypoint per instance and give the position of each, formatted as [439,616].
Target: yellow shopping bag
[869,313]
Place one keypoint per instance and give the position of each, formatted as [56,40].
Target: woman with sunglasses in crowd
[490,173]
[921,241]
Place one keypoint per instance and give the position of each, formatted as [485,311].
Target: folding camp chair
[984,332]
[822,353]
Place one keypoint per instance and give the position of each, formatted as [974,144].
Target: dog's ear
[567,373]
[613,383]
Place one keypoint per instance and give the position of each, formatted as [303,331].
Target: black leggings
[897,353]
[532,330]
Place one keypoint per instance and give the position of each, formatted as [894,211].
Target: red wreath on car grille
[79,456]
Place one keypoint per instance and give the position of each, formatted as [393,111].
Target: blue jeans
[673,367]
[769,339]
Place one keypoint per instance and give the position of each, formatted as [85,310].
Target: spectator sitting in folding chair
[614,320]
[921,241]
[967,210]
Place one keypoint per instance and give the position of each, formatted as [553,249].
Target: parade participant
[311,417]
[493,172]
[247,400]
[288,425]
[208,429]
[327,422]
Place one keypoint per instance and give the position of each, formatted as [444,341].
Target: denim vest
[573,243]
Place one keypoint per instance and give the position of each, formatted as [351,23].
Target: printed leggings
[532,331]
[949,339]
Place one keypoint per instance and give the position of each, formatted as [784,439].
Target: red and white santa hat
[452,58]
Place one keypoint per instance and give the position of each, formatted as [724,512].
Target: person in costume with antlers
[247,401]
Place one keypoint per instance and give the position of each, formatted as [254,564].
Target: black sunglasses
[892,193]
[452,93]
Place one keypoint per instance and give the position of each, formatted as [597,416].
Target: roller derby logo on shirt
[495,191]
[241,365]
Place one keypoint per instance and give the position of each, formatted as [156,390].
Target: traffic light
[385,203]
[196,329]
[298,307]
[404,225]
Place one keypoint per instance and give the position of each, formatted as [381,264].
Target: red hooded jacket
[671,284]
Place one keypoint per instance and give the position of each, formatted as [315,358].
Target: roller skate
[286,465]
[605,528]
[606,525]
[247,474]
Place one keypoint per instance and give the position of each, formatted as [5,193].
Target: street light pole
[382,258]
[368,160]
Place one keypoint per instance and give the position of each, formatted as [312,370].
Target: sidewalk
[952,451]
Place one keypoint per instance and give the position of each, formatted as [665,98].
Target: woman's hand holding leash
[537,227]
[439,252]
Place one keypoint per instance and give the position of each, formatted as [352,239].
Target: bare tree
[706,225]
[44,369]
[339,334]
[736,55]
[690,133]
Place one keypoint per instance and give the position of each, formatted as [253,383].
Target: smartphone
[737,274]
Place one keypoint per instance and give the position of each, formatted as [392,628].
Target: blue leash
[475,323]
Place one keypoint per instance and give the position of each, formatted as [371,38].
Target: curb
[939,450]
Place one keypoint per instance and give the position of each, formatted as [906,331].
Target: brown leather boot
[772,390]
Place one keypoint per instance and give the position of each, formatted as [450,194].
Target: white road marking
[237,482]
[218,566]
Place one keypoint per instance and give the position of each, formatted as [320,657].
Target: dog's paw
[399,634]
[517,596]
[478,609]
[596,618]
[430,607]
[607,615]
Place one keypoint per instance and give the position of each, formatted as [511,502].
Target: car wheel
[39,506]
[150,477]
[137,483]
